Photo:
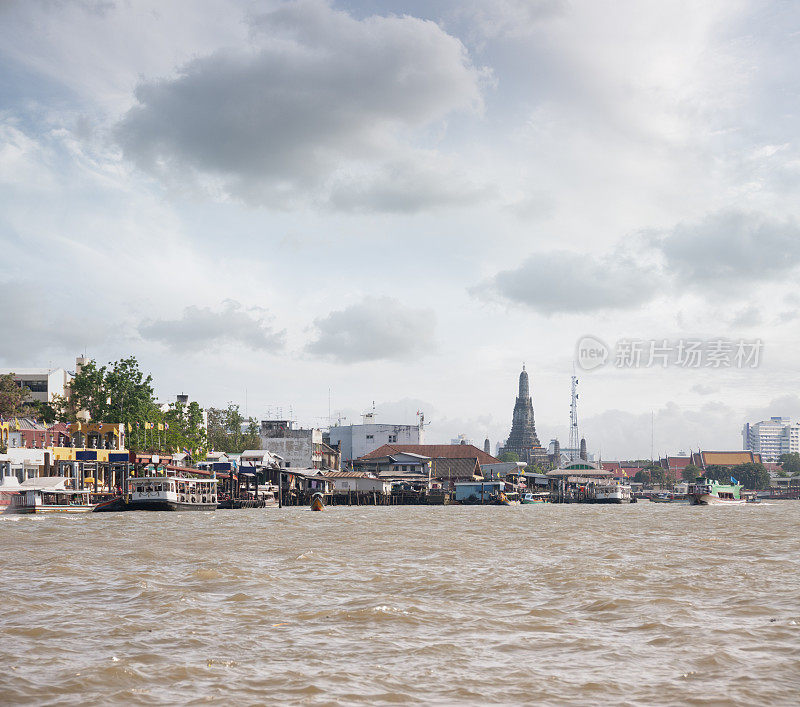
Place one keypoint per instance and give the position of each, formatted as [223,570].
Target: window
[35,386]
[370,438]
[392,438]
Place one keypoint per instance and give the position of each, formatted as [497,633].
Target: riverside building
[356,441]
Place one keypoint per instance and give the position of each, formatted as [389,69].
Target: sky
[314,207]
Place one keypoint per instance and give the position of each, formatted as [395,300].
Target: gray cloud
[406,188]
[729,247]
[373,330]
[724,249]
[202,327]
[319,96]
[560,281]
[32,324]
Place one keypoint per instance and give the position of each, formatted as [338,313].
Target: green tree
[184,429]
[116,393]
[42,411]
[691,472]
[660,476]
[509,457]
[751,475]
[12,396]
[790,463]
[229,431]
[717,472]
[643,477]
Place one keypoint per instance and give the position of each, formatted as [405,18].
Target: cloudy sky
[400,202]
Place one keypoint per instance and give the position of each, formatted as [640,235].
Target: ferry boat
[708,492]
[48,494]
[613,492]
[165,488]
[171,493]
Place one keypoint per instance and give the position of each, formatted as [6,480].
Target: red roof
[435,451]
[678,463]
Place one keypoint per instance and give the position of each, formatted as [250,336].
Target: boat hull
[48,510]
[708,499]
[163,504]
[119,504]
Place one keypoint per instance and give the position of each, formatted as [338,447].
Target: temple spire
[523,440]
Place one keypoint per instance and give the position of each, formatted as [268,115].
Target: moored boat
[613,492]
[166,488]
[708,492]
[172,493]
[49,494]
[316,502]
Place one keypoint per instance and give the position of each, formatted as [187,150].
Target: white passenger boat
[48,494]
[171,493]
[613,492]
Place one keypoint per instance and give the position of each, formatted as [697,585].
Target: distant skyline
[401,202]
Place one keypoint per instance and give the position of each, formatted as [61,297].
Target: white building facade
[771,438]
[43,384]
[357,440]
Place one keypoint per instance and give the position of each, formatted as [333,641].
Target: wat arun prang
[523,440]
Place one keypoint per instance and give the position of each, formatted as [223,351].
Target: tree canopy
[654,474]
[185,430]
[750,475]
[118,392]
[691,472]
[790,463]
[12,396]
[509,457]
[229,431]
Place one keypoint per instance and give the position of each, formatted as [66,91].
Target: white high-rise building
[771,438]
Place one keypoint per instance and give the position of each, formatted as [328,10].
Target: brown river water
[562,604]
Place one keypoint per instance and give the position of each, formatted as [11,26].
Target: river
[554,604]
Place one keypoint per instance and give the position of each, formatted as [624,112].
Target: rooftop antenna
[574,438]
[330,419]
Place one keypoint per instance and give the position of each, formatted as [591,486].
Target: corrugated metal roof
[435,451]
